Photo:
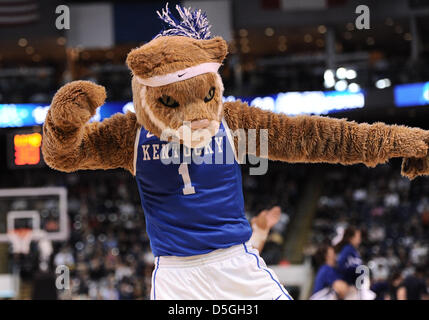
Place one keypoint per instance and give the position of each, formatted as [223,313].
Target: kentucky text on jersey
[173,152]
[191,207]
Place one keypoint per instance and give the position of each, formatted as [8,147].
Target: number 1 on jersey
[184,172]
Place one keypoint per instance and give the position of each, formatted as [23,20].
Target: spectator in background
[327,284]
[381,289]
[348,255]
[379,273]
[108,290]
[414,286]
[261,226]
[397,290]
[44,284]
[65,257]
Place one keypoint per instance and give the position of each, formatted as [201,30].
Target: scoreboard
[24,148]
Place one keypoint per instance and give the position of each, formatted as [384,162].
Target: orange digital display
[27,148]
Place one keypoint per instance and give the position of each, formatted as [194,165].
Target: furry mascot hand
[70,143]
[414,167]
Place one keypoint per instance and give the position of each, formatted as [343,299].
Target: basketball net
[20,240]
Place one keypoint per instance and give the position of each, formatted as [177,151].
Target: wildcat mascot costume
[177,143]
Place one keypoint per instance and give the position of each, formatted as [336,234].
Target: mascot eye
[168,101]
[210,95]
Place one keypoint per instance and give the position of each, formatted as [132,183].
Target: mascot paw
[414,167]
[84,95]
[417,166]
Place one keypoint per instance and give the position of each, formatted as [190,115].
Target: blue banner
[309,102]
[414,94]
[29,114]
[290,103]
[22,115]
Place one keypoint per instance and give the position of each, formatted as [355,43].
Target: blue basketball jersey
[192,198]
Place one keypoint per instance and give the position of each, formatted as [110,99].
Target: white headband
[158,81]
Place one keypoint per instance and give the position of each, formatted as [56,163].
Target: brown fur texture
[190,96]
[170,54]
[414,167]
[70,143]
[323,139]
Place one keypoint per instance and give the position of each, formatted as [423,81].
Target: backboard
[44,210]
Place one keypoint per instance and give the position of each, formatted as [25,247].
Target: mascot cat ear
[168,54]
[216,48]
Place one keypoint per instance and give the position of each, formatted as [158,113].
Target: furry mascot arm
[324,139]
[70,143]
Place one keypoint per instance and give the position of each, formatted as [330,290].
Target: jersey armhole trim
[136,145]
[230,139]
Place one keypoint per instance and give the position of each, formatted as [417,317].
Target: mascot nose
[200,124]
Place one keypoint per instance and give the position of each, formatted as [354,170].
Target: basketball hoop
[20,240]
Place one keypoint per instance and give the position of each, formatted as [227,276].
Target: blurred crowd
[108,253]
[373,218]
[391,216]
[23,84]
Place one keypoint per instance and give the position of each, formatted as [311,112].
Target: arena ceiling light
[351,74]
[329,78]
[341,73]
[354,87]
[383,83]
[339,79]
[341,85]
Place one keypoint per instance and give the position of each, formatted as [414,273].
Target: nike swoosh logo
[149,135]
[181,75]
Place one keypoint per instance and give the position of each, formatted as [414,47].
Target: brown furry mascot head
[176,86]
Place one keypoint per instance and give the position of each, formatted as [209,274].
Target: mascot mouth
[197,133]
[200,124]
